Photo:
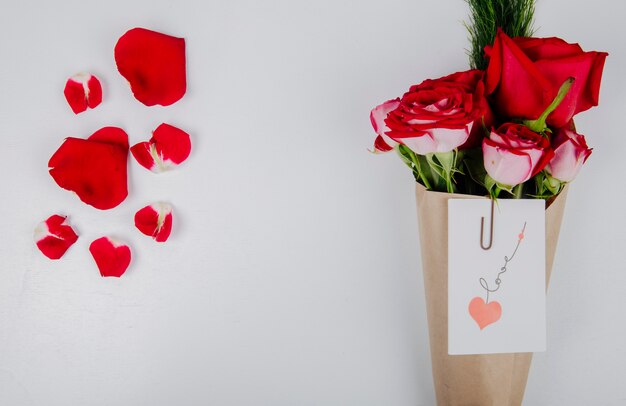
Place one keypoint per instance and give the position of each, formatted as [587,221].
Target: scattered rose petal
[83,90]
[112,257]
[54,236]
[168,147]
[155,221]
[154,65]
[95,168]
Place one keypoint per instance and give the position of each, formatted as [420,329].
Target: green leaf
[475,166]
[546,185]
[490,183]
[420,168]
[518,191]
[508,188]
[446,159]
[447,162]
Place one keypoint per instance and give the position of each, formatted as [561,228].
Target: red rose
[513,154]
[441,115]
[525,74]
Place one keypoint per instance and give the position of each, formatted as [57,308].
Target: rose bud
[378,115]
[441,115]
[570,153]
[524,76]
[513,154]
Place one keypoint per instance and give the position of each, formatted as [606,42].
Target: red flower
[154,65]
[513,154]
[441,115]
[525,74]
[95,168]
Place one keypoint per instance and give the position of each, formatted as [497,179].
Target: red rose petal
[95,168]
[155,221]
[154,65]
[144,155]
[168,147]
[83,90]
[380,145]
[54,236]
[112,257]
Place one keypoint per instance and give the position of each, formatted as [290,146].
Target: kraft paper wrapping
[482,380]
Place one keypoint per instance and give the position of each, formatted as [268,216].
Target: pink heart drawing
[483,313]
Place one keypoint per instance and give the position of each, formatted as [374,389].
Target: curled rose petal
[383,143]
[95,168]
[155,221]
[54,236]
[168,147]
[83,91]
[154,65]
[112,257]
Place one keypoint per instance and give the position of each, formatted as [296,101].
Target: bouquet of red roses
[508,127]
[504,129]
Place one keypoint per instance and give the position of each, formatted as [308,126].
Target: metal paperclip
[482,228]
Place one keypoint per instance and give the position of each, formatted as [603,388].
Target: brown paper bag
[484,380]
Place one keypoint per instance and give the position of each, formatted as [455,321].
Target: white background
[293,273]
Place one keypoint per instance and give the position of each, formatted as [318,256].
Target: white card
[496,297]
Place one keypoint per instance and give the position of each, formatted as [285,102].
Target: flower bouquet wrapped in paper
[502,130]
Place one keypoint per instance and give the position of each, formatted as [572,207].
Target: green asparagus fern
[515,17]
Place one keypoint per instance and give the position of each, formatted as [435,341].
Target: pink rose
[441,115]
[513,154]
[378,115]
[570,153]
